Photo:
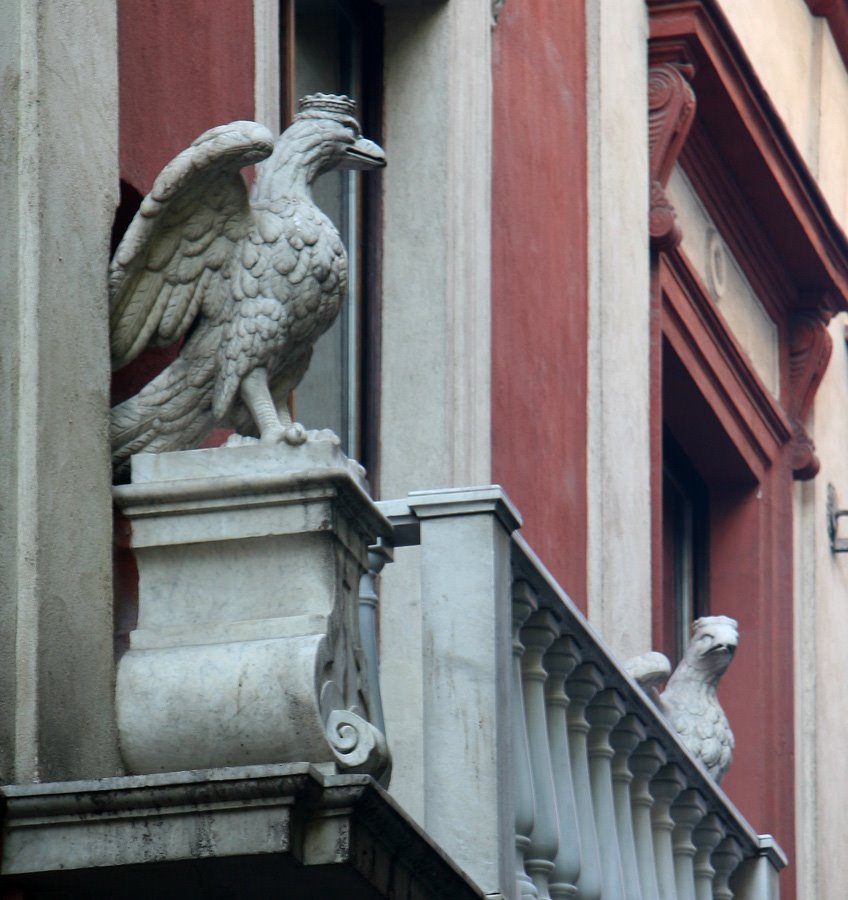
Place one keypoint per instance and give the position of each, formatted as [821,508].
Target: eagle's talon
[275,434]
[295,434]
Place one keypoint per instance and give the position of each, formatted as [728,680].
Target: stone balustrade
[653,825]
[604,802]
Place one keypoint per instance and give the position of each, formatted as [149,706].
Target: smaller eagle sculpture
[689,701]
[249,282]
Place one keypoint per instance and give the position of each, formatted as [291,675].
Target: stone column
[523,606]
[687,812]
[467,697]
[726,858]
[583,684]
[645,762]
[625,739]
[619,328]
[58,193]
[538,634]
[604,713]
[369,602]
[665,787]
[560,662]
[706,837]
[435,419]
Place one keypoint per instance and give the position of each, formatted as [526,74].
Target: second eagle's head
[714,640]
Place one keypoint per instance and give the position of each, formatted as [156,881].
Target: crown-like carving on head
[327,103]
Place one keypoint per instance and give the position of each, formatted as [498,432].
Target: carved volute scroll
[671,111]
[810,347]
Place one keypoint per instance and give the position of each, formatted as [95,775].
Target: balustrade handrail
[527,566]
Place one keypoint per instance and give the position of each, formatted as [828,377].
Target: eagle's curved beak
[364,154]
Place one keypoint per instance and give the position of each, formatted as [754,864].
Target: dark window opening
[685,534]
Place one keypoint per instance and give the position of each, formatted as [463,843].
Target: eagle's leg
[273,427]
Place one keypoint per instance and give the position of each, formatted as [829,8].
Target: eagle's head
[330,137]
[714,640]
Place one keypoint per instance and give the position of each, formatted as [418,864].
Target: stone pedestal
[246,649]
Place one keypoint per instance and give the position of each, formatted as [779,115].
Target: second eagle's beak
[364,154]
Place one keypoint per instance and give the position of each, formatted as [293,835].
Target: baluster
[665,787]
[604,713]
[645,762]
[537,635]
[560,662]
[523,604]
[625,739]
[726,858]
[706,838]
[378,556]
[583,684]
[687,812]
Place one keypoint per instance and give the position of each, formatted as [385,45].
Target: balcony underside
[221,833]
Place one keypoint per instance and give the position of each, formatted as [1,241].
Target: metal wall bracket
[837,544]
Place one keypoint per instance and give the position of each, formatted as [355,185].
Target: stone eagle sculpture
[250,282]
[689,701]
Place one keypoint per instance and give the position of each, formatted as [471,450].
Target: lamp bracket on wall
[837,544]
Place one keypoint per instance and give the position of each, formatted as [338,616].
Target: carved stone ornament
[247,648]
[671,111]
[689,701]
[809,353]
[250,283]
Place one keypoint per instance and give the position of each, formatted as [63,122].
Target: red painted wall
[539,269]
[183,67]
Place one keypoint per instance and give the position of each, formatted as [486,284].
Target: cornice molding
[751,176]
[836,13]
[737,115]
[701,337]
[671,111]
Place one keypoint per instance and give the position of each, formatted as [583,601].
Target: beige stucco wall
[821,624]
[618,410]
[795,57]
[58,192]
[435,411]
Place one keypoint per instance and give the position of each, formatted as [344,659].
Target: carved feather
[189,225]
[690,701]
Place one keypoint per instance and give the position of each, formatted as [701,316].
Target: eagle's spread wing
[169,261]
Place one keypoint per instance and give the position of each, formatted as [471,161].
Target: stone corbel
[671,111]
[810,346]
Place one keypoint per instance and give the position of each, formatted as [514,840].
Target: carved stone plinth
[246,649]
